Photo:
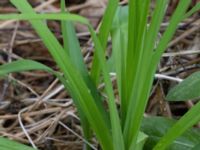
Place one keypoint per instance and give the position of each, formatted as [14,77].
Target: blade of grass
[129,55]
[115,122]
[131,52]
[153,30]
[85,100]
[103,36]
[176,18]
[50,16]
[22,65]
[192,11]
[119,46]
[28,65]
[71,43]
[72,47]
[180,127]
[64,27]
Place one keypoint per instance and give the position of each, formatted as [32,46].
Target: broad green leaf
[6,144]
[157,127]
[180,127]
[186,90]
[197,147]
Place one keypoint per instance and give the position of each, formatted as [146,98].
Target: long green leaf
[71,44]
[72,47]
[131,52]
[176,18]
[119,35]
[115,122]
[103,36]
[28,65]
[23,65]
[51,16]
[64,27]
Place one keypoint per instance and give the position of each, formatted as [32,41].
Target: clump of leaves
[135,57]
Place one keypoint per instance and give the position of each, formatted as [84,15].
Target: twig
[188,52]
[24,129]
[34,113]
[85,141]
[161,76]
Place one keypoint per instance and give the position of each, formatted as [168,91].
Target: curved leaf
[23,65]
[186,90]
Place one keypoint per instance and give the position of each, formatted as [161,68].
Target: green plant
[135,57]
